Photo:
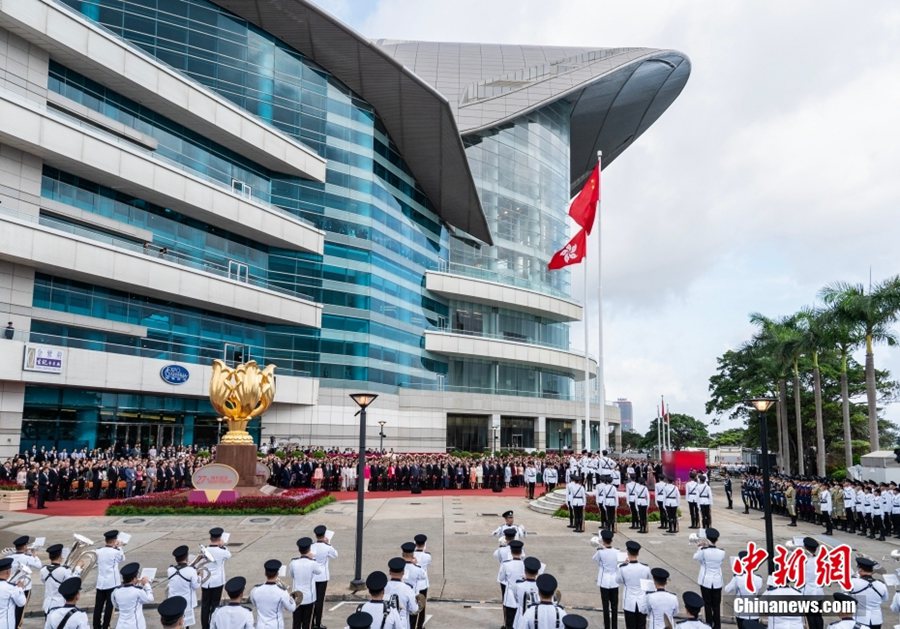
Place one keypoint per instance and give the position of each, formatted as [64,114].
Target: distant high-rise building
[626,413]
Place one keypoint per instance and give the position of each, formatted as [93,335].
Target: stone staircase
[549,503]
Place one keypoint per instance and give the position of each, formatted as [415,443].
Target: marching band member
[323,552]
[525,592]
[782,622]
[68,613]
[108,559]
[825,508]
[405,601]
[661,606]
[413,575]
[303,571]
[171,612]
[546,613]
[630,574]
[12,596]
[710,578]
[271,599]
[359,620]
[846,620]
[384,616]
[511,572]
[24,556]
[607,558]
[129,598]
[509,524]
[233,615]
[693,603]
[183,581]
[52,576]
[869,594]
[704,502]
[813,621]
[211,590]
[738,587]
[574,621]
[423,560]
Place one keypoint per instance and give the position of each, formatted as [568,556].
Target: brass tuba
[199,564]
[23,573]
[81,560]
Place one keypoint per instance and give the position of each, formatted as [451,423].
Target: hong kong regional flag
[583,209]
[572,253]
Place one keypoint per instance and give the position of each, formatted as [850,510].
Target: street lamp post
[762,405]
[559,441]
[362,400]
[381,435]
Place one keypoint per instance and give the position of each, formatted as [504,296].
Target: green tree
[631,440]
[729,437]
[815,337]
[687,432]
[873,313]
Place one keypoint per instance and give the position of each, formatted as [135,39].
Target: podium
[241,457]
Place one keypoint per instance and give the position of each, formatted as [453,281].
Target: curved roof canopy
[418,119]
[616,93]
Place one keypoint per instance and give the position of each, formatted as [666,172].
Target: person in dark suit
[112,475]
[43,482]
[95,481]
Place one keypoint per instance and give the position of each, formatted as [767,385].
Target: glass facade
[509,325]
[468,432]
[78,418]
[517,432]
[381,233]
[559,434]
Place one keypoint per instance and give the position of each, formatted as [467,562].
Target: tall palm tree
[815,331]
[872,312]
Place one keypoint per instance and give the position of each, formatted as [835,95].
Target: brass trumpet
[80,560]
[22,574]
[200,561]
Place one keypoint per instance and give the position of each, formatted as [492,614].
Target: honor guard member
[129,598]
[359,620]
[574,621]
[710,578]
[660,604]
[511,572]
[660,489]
[869,594]
[607,558]
[413,575]
[12,596]
[783,622]
[211,590]
[846,619]
[630,574]
[502,554]
[571,485]
[600,500]
[52,576]
[579,500]
[693,603]
[790,499]
[610,503]
[738,587]
[546,613]
[399,593]
[672,498]
[690,496]
[509,524]
[825,508]
[171,612]
[23,556]
[530,475]
[704,501]
[727,486]
[67,615]
[525,591]
[849,507]
[303,570]
[108,579]
[233,615]
[324,552]
[183,581]
[631,499]
[813,621]
[271,599]
[423,560]
[642,501]
[383,615]
[551,478]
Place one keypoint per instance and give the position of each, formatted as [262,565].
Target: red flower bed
[176,502]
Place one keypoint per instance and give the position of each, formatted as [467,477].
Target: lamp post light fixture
[494,441]
[559,439]
[381,435]
[363,400]
[762,406]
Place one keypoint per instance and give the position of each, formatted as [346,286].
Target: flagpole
[604,435]
[586,434]
[658,432]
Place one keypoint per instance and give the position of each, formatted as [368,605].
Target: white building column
[540,433]
[12,402]
[495,424]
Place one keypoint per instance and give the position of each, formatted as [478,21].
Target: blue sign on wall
[174,374]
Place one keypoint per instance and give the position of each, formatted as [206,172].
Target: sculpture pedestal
[242,458]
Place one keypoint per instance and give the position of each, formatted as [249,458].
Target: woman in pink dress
[318,475]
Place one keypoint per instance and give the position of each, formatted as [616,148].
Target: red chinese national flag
[572,253]
[584,207]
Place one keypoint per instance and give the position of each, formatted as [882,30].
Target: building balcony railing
[501,277]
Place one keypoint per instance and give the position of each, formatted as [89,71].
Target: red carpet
[73,507]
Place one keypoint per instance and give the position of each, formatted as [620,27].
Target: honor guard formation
[292,593]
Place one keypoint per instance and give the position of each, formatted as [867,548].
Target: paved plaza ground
[464,590]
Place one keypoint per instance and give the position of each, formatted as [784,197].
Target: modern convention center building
[186,180]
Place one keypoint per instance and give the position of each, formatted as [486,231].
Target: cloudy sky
[773,174]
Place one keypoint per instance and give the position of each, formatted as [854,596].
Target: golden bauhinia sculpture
[239,395]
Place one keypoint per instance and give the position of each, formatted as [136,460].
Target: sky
[773,174]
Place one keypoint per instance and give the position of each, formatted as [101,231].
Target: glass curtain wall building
[258,196]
